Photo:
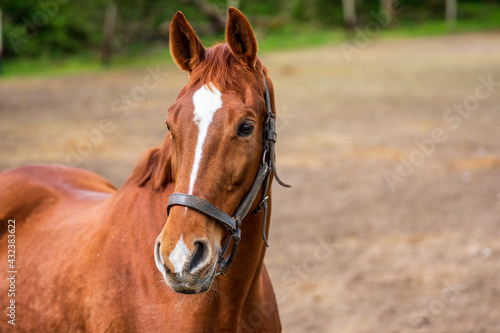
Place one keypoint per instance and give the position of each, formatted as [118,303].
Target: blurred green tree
[55,28]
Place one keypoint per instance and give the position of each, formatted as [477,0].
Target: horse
[158,254]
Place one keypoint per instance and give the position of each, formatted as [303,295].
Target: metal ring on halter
[264,156]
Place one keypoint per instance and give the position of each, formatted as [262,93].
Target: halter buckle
[270,116]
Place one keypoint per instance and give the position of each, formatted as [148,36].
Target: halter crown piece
[233,223]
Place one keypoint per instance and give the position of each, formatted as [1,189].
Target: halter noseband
[233,223]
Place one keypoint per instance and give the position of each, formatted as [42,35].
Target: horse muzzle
[186,272]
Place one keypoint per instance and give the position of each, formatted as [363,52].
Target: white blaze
[179,255]
[205,102]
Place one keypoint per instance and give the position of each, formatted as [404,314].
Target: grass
[290,36]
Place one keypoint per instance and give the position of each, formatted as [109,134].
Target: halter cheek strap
[233,223]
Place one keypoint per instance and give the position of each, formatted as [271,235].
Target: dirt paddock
[393,221]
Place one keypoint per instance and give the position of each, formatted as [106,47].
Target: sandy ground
[393,221]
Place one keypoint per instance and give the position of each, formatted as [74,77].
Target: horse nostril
[199,255]
[158,260]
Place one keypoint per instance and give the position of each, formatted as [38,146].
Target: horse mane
[222,69]
[154,167]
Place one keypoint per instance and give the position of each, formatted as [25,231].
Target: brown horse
[87,257]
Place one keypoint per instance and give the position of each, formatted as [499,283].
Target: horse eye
[245,129]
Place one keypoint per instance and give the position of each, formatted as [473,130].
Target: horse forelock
[224,71]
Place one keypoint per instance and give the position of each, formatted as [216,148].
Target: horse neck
[139,213]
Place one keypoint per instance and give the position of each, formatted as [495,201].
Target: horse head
[217,143]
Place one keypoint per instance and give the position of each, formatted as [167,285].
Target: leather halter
[233,223]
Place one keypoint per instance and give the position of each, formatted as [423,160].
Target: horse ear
[185,46]
[240,37]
